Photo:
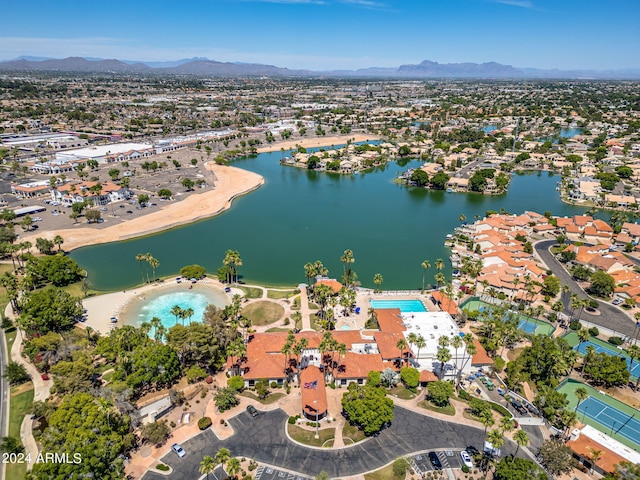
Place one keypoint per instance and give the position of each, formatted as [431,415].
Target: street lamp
[316,404]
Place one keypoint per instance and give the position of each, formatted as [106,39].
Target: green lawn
[251,292]
[10,336]
[278,329]
[263,312]
[271,398]
[448,410]
[353,433]
[401,392]
[278,294]
[20,403]
[385,473]
[307,437]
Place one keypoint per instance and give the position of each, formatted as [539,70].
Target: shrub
[594,332]
[465,469]
[209,379]
[575,325]
[274,385]
[236,383]
[498,364]
[204,423]
[195,374]
[162,467]
[464,395]
[615,341]
[192,271]
[292,420]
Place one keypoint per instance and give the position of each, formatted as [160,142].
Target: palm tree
[309,272]
[507,424]
[401,345]
[233,467]
[207,465]
[439,264]
[188,312]
[595,456]
[58,240]
[153,263]
[581,394]
[176,310]
[425,264]
[495,438]
[456,342]
[222,456]
[439,278]
[634,352]
[462,217]
[590,351]
[347,259]
[420,343]
[522,439]
[377,280]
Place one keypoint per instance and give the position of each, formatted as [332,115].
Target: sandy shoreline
[231,183]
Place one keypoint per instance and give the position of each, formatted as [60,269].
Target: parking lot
[448,459]
[271,473]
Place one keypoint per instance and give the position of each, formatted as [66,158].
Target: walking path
[305,310]
[41,389]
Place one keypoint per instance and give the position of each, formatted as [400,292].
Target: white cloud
[516,3]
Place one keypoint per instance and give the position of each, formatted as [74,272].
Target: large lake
[300,216]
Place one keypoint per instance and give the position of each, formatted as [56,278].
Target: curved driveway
[263,438]
[610,316]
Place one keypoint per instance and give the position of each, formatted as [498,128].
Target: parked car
[617,301]
[435,461]
[252,410]
[466,459]
[178,450]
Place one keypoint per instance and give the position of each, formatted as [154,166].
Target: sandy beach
[231,182]
[101,308]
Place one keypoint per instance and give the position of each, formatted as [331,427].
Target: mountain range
[206,67]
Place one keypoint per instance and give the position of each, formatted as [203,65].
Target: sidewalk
[41,389]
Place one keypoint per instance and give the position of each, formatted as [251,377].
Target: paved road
[263,439]
[4,395]
[610,316]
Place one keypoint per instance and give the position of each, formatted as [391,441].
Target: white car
[466,459]
[178,450]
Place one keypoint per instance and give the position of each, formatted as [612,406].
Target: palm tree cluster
[332,346]
[232,261]
[151,262]
[182,313]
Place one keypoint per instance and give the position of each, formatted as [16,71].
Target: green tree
[49,310]
[425,264]
[165,193]
[556,457]
[155,433]
[439,181]
[192,271]
[188,184]
[367,407]
[607,370]
[236,383]
[602,284]
[91,430]
[153,366]
[419,177]
[522,440]
[410,377]
[11,445]
[440,392]
[262,388]
[16,373]
[44,246]
[551,286]
[377,280]
[92,216]
[225,398]
[143,199]
[518,469]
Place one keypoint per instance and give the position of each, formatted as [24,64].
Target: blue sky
[331,34]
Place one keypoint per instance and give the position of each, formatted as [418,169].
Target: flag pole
[317,406]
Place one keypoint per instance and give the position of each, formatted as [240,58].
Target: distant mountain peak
[202,66]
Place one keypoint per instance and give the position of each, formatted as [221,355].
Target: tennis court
[609,350]
[626,426]
[525,323]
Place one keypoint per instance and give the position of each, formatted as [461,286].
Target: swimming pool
[404,305]
[158,303]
